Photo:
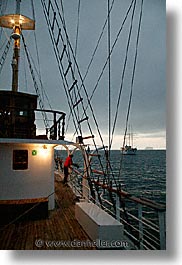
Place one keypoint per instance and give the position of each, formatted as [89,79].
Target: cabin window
[23,113]
[20,159]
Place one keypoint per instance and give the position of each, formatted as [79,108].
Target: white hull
[128,150]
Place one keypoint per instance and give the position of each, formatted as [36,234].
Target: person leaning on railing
[67,164]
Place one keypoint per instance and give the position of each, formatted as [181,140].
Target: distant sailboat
[128,149]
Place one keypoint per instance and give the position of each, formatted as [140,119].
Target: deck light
[34,152]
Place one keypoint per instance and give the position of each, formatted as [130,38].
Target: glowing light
[43,151]
[34,152]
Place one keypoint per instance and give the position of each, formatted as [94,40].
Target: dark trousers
[65,175]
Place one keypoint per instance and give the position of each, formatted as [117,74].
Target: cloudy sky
[148,109]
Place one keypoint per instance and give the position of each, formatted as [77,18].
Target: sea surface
[142,175]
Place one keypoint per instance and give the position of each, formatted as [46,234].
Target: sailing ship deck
[60,231]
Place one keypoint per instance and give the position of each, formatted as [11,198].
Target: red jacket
[68,162]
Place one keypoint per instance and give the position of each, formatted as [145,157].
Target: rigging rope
[93,54]
[132,81]
[98,42]
[24,213]
[3,57]
[79,74]
[57,55]
[58,58]
[123,73]
[109,79]
[25,73]
[43,91]
[113,46]
[77,31]
[76,46]
[44,115]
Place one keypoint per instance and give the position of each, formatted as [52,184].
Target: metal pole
[85,186]
[162,230]
[117,207]
[18,6]
[140,225]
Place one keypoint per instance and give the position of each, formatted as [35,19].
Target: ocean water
[142,175]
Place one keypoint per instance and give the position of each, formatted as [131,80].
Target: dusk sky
[148,109]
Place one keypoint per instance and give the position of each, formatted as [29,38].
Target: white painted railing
[143,220]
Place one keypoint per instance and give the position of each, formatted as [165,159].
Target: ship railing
[30,123]
[143,220]
[56,130]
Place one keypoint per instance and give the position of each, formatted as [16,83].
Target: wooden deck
[60,231]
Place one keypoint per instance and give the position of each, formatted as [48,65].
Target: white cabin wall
[35,182]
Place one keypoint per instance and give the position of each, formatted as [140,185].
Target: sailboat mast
[15,61]
[131,137]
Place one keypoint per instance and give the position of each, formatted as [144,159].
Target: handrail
[143,232]
[54,132]
[146,202]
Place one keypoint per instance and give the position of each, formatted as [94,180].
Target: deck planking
[61,225]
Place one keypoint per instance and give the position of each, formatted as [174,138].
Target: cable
[98,42]
[60,67]
[24,213]
[44,115]
[132,81]
[95,50]
[26,84]
[77,30]
[38,61]
[109,79]
[87,97]
[113,46]
[123,73]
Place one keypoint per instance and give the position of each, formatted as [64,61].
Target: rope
[109,78]
[38,61]
[3,57]
[123,73]
[60,67]
[33,10]
[44,115]
[25,73]
[113,46]
[98,42]
[77,30]
[80,76]
[84,110]
[132,81]
[93,55]
[76,46]
[24,213]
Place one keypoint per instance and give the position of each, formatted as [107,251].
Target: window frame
[20,159]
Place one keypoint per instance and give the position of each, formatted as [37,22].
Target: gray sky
[149,96]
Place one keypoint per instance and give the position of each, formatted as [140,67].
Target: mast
[17,22]
[129,134]
[18,6]
[15,61]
